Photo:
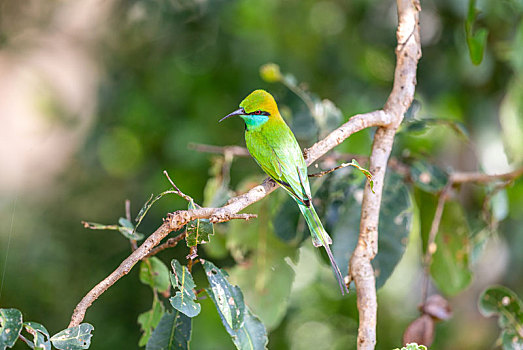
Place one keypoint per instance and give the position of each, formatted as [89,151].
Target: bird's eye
[257,112]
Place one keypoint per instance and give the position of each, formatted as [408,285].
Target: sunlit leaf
[149,320]
[10,327]
[198,230]
[184,300]
[40,335]
[74,338]
[172,333]
[228,298]
[155,273]
[504,303]
[246,330]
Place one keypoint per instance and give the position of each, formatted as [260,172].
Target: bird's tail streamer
[320,237]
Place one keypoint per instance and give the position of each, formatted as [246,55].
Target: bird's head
[256,108]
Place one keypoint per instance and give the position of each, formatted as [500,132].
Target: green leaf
[394,226]
[250,334]
[199,230]
[413,346]
[184,300]
[40,335]
[149,320]
[427,176]
[504,303]
[173,333]
[228,298]
[127,229]
[74,338]
[450,262]
[476,40]
[365,172]
[155,273]
[10,327]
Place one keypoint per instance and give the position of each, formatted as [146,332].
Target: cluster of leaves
[12,326]
[171,329]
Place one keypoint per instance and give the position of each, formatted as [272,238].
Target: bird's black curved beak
[239,111]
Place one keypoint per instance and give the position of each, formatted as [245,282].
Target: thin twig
[431,245]
[462,177]
[177,190]
[325,172]
[170,243]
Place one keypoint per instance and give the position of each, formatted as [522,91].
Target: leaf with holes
[251,333]
[172,333]
[427,176]
[199,230]
[149,320]
[501,301]
[228,298]
[184,300]
[74,338]
[10,327]
[40,336]
[155,273]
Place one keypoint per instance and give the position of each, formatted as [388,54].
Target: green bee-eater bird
[273,145]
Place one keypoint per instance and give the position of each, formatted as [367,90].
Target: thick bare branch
[408,52]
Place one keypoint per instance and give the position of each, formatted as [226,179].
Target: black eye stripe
[259,112]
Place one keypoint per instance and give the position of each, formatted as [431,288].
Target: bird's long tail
[320,237]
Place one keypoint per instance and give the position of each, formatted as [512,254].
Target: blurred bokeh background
[97,98]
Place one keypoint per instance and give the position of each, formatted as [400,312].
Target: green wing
[280,156]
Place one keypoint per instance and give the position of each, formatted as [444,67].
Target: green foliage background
[171,69]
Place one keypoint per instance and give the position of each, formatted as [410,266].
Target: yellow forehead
[259,100]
